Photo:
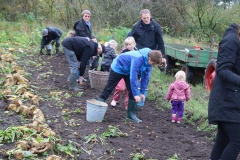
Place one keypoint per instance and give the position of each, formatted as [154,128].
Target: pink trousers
[118,90]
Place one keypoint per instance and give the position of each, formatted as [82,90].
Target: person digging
[50,36]
[127,66]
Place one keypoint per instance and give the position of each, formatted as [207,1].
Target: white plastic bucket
[95,110]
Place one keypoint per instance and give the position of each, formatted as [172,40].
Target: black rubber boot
[73,82]
[57,52]
[49,52]
[100,99]
[131,111]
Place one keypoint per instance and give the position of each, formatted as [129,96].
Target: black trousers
[112,82]
[227,145]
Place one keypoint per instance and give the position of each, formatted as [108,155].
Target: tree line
[205,20]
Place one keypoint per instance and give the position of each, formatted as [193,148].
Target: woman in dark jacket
[224,101]
[83,27]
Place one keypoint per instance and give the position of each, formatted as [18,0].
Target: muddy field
[155,138]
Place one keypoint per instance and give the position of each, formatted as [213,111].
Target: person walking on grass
[79,49]
[224,100]
[129,45]
[178,92]
[50,34]
[127,66]
[148,33]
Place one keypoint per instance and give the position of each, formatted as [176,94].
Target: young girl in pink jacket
[178,92]
[129,45]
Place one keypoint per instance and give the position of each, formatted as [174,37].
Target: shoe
[179,120]
[174,119]
[113,103]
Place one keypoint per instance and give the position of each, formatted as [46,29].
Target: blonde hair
[131,41]
[70,33]
[112,43]
[180,75]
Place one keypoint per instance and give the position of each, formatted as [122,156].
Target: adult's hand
[80,80]
[137,98]
[163,60]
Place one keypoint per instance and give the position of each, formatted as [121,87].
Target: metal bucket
[95,110]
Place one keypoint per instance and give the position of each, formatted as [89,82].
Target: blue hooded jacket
[131,63]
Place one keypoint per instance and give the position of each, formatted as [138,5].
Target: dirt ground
[157,137]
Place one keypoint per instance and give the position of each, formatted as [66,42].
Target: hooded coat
[179,91]
[224,101]
[82,29]
[108,56]
[131,63]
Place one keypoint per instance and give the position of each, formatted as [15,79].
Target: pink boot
[179,120]
[174,119]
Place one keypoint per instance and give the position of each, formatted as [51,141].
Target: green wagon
[193,60]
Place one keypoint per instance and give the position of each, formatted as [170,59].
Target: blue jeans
[72,60]
[227,144]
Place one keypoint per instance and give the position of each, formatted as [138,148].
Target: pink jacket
[179,90]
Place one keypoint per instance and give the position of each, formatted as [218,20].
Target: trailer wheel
[170,64]
[189,73]
[210,73]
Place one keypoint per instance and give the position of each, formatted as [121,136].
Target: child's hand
[137,99]
[142,96]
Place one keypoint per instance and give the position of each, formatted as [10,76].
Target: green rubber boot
[131,111]
[73,82]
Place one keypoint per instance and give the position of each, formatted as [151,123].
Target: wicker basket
[98,79]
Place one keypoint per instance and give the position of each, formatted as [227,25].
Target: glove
[53,43]
[41,51]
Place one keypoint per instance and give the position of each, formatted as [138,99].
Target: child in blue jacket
[127,66]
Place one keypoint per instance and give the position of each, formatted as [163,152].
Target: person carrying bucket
[127,66]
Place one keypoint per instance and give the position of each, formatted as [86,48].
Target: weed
[78,110]
[79,94]
[138,156]
[174,157]
[67,95]
[67,149]
[92,137]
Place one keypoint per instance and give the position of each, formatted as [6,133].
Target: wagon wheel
[189,73]
[210,73]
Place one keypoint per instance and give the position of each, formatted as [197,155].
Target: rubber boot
[57,52]
[100,99]
[49,52]
[131,111]
[73,83]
